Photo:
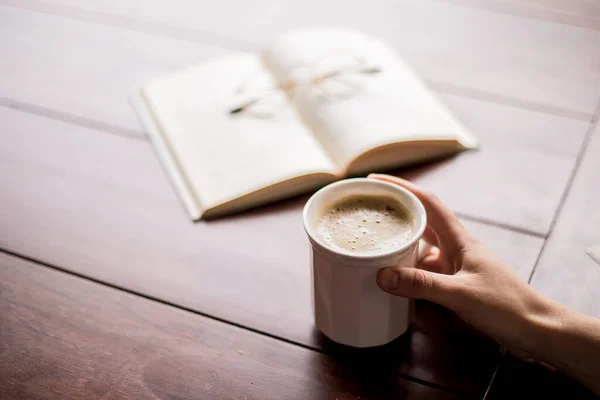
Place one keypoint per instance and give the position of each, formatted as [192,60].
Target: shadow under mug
[349,307]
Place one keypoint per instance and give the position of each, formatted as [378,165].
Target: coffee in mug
[366,224]
[356,227]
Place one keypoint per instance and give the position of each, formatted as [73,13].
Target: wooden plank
[521,171]
[503,57]
[517,250]
[520,149]
[565,271]
[65,337]
[582,13]
[82,69]
[517,379]
[99,205]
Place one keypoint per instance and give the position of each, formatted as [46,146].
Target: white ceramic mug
[348,305]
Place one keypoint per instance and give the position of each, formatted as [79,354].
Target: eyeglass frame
[286,87]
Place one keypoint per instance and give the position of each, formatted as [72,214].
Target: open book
[316,106]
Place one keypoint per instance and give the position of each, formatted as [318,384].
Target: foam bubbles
[366,224]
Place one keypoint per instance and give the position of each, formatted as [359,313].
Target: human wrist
[544,326]
[557,335]
[568,341]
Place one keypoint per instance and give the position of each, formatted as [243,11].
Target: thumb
[416,284]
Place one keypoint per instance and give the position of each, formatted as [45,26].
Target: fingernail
[373,175]
[388,279]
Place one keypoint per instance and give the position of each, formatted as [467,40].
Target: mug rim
[364,257]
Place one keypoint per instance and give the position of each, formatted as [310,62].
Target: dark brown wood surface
[81,190]
[518,379]
[251,269]
[74,218]
[64,337]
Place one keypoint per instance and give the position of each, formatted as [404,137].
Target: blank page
[356,112]
[224,156]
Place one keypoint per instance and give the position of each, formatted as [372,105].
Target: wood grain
[520,173]
[65,337]
[517,379]
[99,205]
[522,150]
[78,55]
[565,271]
[83,69]
[507,58]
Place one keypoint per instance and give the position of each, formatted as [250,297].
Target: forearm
[568,341]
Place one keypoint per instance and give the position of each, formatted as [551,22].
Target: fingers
[430,237]
[427,242]
[439,216]
[433,261]
[430,258]
[416,284]
[431,280]
[451,234]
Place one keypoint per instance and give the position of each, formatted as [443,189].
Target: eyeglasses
[331,77]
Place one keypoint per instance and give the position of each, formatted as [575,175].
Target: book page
[376,101]
[225,156]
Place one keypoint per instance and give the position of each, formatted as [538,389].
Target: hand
[460,273]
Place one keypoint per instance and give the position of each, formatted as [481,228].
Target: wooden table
[108,290]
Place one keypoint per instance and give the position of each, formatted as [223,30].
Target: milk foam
[366,224]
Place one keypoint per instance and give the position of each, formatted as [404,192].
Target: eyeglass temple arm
[368,69]
[284,86]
